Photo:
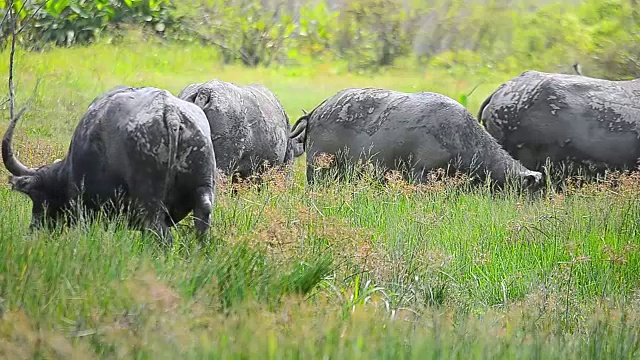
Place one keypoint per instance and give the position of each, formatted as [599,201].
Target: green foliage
[362,35]
[373,33]
[244,30]
[68,22]
[614,30]
[478,35]
[602,35]
[315,34]
[366,33]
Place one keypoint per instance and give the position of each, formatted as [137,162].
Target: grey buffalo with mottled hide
[588,123]
[418,131]
[139,149]
[249,126]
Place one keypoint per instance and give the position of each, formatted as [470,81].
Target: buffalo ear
[24,184]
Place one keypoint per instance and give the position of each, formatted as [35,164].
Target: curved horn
[11,162]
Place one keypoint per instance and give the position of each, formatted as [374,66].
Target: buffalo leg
[155,221]
[202,210]
[310,173]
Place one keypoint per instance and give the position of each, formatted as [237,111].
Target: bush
[614,29]
[373,33]
[316,29]
[243,30]
[603,35]
[69,22]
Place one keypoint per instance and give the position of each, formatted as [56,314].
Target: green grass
[349,270]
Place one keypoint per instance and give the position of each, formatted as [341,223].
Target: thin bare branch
[4,18]
[12,90]
[14,18]
[212,40]
[24,3]
[30,17]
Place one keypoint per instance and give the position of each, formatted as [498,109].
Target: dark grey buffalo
[249,126]
[589,123]
[421,131]
[141,148]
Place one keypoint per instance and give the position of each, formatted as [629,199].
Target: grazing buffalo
[588,123]
[140,148]
[421,131]
[249,127]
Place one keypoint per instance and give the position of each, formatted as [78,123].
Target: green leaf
[463,100]
[78,10]
[57,7]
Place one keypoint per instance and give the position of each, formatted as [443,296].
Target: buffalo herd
[156,156]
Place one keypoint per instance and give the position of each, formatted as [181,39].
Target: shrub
[243,30]
[373,33]
[68,22]
[603,35]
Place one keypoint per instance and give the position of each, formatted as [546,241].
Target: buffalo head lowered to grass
[139,149]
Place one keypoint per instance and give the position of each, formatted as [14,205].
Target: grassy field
[349,270]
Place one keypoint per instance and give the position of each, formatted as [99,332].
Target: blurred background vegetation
[465,36]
